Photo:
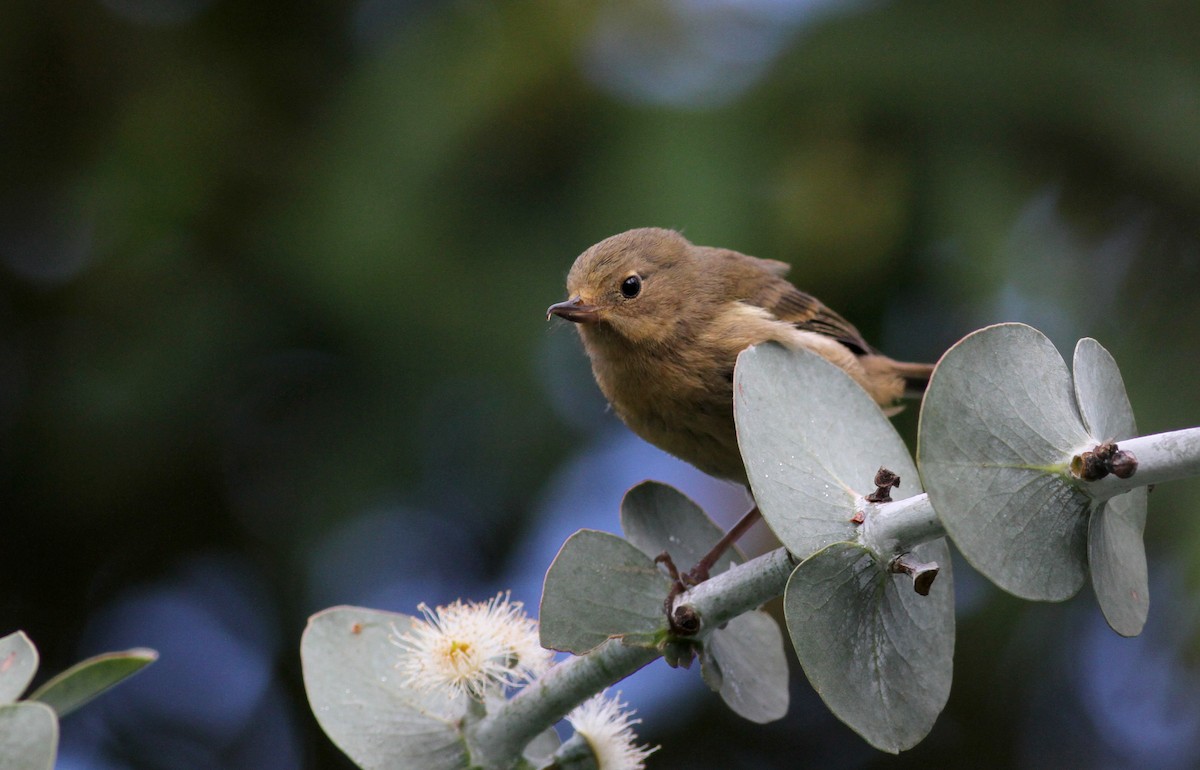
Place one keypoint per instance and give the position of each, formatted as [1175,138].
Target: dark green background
[272,290]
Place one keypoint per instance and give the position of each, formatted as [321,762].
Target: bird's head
[638,284]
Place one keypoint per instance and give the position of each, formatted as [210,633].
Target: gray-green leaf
[354,691]
[744,661]
[810,459]
[577,753]
[88,678]
[1117,559]
[598,587]
[752,675]
[878,653]
[998,426]
[656,517]
[1100,393]
[28,737]
[541,749]
[18,664]
[1116,553]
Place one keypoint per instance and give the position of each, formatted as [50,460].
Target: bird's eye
[631,286]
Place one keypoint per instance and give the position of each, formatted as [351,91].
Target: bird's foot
[680,621]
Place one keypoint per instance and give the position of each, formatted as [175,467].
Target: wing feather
[806,312]
[760,282]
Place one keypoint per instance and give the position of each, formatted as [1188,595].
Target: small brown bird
[663,322]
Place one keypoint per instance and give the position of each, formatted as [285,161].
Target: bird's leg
[680,582]
[677,586]
[699,573]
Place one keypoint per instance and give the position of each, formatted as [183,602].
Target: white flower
[608,729]
[471,649]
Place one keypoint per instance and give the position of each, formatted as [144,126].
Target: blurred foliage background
[272,338]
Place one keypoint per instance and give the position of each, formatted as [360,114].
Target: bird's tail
[915,376]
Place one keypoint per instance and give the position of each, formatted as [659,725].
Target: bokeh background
[272,290]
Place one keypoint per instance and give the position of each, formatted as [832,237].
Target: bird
[663,321]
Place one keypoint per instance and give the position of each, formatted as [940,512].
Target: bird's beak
[574,310]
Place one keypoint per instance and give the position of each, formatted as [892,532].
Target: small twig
[1160,457]
[1103,459]
[922,573]
[507,728]
[884,481]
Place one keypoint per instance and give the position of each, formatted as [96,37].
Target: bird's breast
[679,399]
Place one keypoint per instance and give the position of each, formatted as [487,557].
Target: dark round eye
[631,286]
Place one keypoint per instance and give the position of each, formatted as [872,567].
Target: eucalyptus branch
[497,739]
[1032,520]
[740,589]
[890,529]
[1160,457]
[500,736]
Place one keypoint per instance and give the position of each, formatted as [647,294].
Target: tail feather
[915,376]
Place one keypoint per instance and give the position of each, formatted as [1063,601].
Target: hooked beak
[574,310]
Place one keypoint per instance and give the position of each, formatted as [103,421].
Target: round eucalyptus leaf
[1117,558]
[1116,551]
[355,693]
[540,750]
[576,753]
[28,736]
[879,654]
[88,678]
[812,440]
[600,586]
[18,664]
[656,517]
[1100,393]
[998,428]
[710,670]
[752,667]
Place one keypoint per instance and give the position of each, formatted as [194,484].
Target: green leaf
[1100,393]
[878,653]
[998,426]
[744,661]
[18,664]
[541,749]
[598,587]
[1117,559]
[355,693]
[656,517]
[752,672]
[88,678]
[28,737]
[577,753]
[809,459]
[1116,553]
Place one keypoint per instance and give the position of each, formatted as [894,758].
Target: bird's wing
[760,282]
[806,312]
[774,266]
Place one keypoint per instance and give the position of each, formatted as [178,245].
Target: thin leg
[700,572]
